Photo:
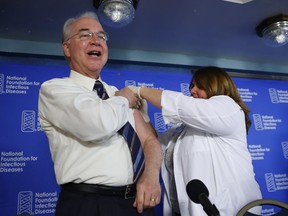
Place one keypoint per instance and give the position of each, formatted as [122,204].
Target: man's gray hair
[70,21]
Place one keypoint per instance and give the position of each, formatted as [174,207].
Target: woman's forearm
[152,95]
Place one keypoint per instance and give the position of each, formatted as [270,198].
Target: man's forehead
[87,23]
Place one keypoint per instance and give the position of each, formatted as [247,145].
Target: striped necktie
[129,134]
[99,88]
[134,144]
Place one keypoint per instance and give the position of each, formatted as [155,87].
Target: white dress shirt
[82,131]
[213,148]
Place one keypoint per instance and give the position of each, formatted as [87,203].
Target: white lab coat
[212,148]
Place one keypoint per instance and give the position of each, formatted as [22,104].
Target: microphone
[199,193]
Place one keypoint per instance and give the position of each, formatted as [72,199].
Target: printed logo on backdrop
[285,149]
[266,211]
[160,125]
[246,94]
[130,83]
[25,199]
[1,83]
[265,122]
[183,86]
[15,162]
[43,203]
[278,96]
[16,84]
[134,83]
[29,121]
[185,89]
[276,182]
[258,152]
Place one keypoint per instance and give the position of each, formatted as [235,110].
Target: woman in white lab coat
[210,145]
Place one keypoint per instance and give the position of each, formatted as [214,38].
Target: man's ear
[66,49]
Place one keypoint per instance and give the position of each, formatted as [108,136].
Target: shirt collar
[82,80]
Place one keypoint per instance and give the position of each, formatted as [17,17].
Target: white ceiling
[207,28]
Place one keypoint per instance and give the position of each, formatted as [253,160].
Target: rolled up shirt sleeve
[81,112]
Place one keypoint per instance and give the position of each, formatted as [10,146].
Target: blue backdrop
[27,181]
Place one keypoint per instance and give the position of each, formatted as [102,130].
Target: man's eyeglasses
[87,35]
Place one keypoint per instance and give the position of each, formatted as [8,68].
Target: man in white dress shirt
[92,160]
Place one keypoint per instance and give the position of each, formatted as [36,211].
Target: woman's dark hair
[216,81]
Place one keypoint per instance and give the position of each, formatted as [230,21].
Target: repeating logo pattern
[18,160]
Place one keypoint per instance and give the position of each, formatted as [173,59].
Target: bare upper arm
[144,131]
